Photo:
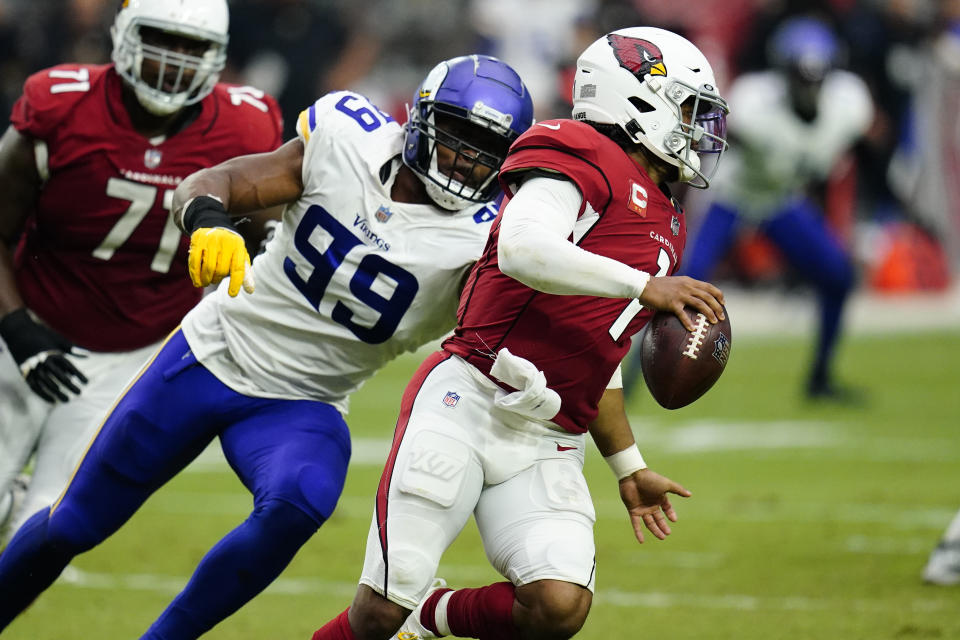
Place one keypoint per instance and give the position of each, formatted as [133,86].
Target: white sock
[440,614]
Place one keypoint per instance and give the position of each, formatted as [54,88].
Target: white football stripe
[604,597]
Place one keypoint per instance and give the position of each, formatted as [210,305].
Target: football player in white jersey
[383,225]
[790,125]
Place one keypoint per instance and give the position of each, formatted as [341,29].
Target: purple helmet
[483,107]
[806,46]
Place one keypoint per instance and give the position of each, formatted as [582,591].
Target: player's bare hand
[644,494]
[673,293]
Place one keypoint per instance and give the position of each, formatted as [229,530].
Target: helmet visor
[710,130]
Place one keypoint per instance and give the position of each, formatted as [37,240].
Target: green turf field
[806,522]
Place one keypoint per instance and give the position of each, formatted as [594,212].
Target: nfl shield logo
[383,214]
[675,225]
[451,399]
[152,157]
[721,349]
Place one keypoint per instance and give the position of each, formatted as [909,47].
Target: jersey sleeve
[313,121]
[254,117]
[48,97]
[339,123]
[568,150]
[312,125]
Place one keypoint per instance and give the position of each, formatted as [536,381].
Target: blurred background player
[548,313]
[788,128]
[353,277]
[943,565]
[88,167]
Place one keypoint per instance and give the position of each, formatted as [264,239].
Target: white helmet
[188,78]
[636,79]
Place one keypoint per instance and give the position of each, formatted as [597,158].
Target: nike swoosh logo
[562,448]
[555,127]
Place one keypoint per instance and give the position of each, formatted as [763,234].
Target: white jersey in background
[775,153]
[351,279]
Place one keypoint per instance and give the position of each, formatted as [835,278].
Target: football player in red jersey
[494,424]
[88,167]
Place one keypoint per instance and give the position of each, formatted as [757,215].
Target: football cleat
[412,629]
[943,567]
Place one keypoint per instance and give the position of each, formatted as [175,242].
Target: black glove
[39,351]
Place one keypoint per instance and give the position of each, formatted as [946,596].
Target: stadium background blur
[896,200]
[800,509]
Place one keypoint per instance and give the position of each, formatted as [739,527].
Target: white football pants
[57,433]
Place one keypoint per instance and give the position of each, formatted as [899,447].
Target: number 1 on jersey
[631,310]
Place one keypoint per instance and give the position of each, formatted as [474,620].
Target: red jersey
[100,259]
[577,341]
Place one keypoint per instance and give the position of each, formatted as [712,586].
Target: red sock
[336,629]
[485,613]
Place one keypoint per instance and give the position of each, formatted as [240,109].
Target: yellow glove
[216,253]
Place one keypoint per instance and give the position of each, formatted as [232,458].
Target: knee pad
[134,449]
[411,569]
[286,521]
[313,488]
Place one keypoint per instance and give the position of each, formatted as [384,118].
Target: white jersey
[351,279]
[774,153]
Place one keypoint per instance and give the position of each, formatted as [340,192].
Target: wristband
[203,211]
[644,279]
[627,462]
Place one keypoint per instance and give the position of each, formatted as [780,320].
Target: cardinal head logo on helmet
[639,57]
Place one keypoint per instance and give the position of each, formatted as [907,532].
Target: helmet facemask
[170,54]
[465,115]
[462,153]
[700,131]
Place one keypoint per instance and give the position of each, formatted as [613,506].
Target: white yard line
[604,597]
[698,436]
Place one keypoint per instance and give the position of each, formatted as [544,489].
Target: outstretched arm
[248,183]
[644,492]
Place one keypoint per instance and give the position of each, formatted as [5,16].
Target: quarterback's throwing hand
[216,253]
[644,494]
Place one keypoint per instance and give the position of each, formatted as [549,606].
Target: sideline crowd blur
[895,200]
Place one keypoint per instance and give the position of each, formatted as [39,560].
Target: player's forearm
[534,247]
[212,181]
[248,183]
[10,299]
[611,430]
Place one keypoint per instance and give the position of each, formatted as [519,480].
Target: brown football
[679,366]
